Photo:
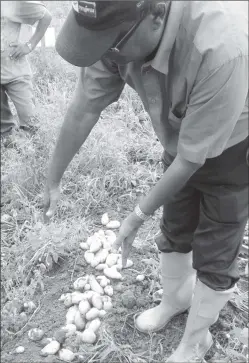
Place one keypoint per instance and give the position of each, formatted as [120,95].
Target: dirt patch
[50,317]
[118,341]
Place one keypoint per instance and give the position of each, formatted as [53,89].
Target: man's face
[140,44]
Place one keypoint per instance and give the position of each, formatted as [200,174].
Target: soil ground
[119,163]
[119,341]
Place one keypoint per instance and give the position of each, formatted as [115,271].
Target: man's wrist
[30,46]
[140,214]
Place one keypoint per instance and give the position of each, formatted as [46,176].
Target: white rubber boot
[178,280]
[197,339]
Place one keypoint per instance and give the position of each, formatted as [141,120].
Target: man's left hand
[127,234]
[19,50]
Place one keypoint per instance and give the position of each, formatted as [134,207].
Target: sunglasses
[117,47]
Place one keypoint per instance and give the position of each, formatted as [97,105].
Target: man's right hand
[51,197]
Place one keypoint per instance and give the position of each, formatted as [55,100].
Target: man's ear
[158,14]
[159,9]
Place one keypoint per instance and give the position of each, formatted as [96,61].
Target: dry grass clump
[117,164]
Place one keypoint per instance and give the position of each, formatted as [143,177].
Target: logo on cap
[87,8]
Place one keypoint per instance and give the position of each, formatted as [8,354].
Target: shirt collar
[161,60]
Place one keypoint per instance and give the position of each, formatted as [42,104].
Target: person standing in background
[16,74]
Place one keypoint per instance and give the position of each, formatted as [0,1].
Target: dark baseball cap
[92,27]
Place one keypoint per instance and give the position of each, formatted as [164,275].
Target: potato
[94,238]
[70,315]
[29,307]
[77,297]
[89,256]
[51,348]
[112,273]
[113,224]
[80,283]
[100,233]
[110,236]
[101,255]
[68,300]
[102,313]
[92,314]
[84,307]
[108,290]
[79,321]
[140,278]
[87,287]
[110,233]
[91,239]
[105,219]
[107,305]
[95,286]
[104,282]
[107,246]
[88,336]
[5,218]
[20,349]
[63,297]
[97,301]
[88,294]
[112,259]
[101,267]
[36,334]
[94,262]
[95,246]
[84,246]
[94,325]
[66,355]
[88,323]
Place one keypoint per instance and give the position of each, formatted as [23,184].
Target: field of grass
[119,162]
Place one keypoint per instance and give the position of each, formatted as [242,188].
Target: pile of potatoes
[87,305]
[99,251]
[91,299]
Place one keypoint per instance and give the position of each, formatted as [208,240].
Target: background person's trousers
[208,216]
[20,91]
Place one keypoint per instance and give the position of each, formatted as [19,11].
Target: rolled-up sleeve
[215,105]
[27,12]
[97,88]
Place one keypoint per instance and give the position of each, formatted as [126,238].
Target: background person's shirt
[13,15]
[196,88]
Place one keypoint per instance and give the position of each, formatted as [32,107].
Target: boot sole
[161,326]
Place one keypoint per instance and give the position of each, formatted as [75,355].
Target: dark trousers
[208,216]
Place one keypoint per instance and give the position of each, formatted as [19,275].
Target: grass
[119,162]
[110,172]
